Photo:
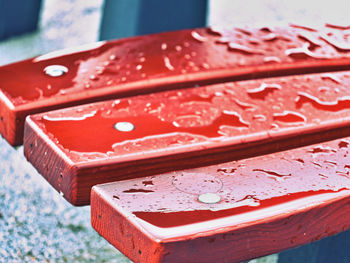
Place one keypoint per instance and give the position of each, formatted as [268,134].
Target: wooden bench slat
[76,148]
[265,204]
[163,61]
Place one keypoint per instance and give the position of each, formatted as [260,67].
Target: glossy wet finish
[267,204]
[203,115]
[163,61]
[172,130]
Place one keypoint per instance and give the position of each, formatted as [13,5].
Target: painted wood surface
[76,148]
[256,206]
[163,61]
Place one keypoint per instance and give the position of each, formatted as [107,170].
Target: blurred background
[36,223]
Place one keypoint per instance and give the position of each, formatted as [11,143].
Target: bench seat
[229,212]
[158,62]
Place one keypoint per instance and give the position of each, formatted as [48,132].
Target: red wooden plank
[79,147]
[229,212]
[164,61]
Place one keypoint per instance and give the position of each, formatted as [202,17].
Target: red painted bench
[164,61]
[79,147]
[254,205]
[229,212]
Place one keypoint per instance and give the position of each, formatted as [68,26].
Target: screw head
[55,70]
[209,198]
[124,126]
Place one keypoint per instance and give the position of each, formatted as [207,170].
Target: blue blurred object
[124,18]
[330,249]
[18,17]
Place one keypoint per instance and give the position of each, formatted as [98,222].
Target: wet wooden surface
[36,223]
[22,189]
[79,147]
[163,61]
[229,212]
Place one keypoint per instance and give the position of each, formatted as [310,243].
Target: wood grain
[268,204]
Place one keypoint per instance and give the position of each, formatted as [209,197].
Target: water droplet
[340,27]
[266,29]
[93,77]
[254,41]
[269,37]
[120,104]
[323,89]
[168,64]
[133,190]
[198,37]
[178,48]
[289,116]
[100,70]
[330,162]
[344,174]
[243,105]
[272,59]
[321,149]
[147,183]
[215,31]
[187,56]
[323,176]
[259,117]
[263,90]
[243,31]
[304,52]
[337,105]
[55,70]
[274,175]
[244,49]
[317,164]
[343,144]
[307,36]
[222,40]
[197,183]
[209,198]
[233,118]
[40,91]
[124,126]
[227,170]
[304,27]
[249,200]
[332,77]
[112,57]
[336,41]
[205,65]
